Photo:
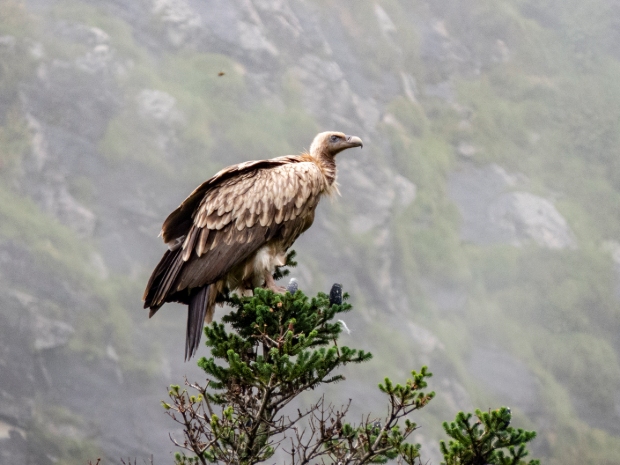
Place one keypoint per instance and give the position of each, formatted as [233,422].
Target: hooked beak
[354,141]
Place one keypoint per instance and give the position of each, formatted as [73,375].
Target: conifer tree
[275,347]
[487,440]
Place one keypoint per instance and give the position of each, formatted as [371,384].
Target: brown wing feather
[212,266]
[258,212]
[234,214]
[180,220]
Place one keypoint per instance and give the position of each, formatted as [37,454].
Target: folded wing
[228,218]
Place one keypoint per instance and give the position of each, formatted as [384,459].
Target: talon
[271,284]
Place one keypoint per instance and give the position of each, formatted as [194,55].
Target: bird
[335,295]
[293,285]
[235,228]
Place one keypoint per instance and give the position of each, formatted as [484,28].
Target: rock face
[157,105]
[17,388]
[159,110]
[110,76]
[55,200]
[492,214]
[50,334]
[328,95]
[181,21]
[69,103]
[521,216]
[613,248]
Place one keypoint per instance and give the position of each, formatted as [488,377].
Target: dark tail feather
[202,300]
[162,279]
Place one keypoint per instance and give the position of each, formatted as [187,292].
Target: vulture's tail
[162,280]
[200,309]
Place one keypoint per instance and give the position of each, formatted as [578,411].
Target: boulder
[157,105]
[182,23]
[522,216]
[493,210]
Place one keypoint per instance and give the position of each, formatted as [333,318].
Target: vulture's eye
[334,138]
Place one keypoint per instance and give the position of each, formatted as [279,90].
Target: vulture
[235,228]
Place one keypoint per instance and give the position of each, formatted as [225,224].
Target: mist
[477,232]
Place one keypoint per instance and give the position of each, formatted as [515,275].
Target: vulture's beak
[354,141]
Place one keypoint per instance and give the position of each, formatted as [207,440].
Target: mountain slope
[477,231]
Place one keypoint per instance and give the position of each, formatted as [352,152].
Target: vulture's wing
[244,212]
[180,220]
[234,214]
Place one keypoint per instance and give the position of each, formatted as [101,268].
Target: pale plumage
[234,229]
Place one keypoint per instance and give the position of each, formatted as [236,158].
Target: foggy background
[477,232]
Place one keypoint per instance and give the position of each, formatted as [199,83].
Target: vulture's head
[331,143]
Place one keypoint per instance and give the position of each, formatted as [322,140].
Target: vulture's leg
[270,284]
[245,289]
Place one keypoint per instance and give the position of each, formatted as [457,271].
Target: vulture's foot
[246,292]
[270,284]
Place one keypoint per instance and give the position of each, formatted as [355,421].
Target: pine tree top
[287,342]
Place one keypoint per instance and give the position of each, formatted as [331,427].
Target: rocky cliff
[477,230]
